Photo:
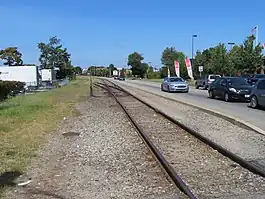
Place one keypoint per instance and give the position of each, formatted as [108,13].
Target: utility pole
[91,90]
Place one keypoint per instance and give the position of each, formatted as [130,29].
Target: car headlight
[233,90]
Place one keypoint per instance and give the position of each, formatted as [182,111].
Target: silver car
[174,84]
[257,97]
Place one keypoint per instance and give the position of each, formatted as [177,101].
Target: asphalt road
[200,98]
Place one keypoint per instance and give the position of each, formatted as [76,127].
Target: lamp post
[192,46]
[91,89]
[231,44]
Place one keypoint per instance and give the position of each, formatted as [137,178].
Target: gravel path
[245,143]
[208,173]
[100,156]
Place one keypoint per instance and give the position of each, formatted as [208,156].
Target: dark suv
[255,78]
[205,81]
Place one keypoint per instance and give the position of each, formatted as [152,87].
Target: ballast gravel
[96,155]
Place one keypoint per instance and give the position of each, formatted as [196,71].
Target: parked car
[230,88]
[177,84]
[205,81]
[257,97]
[253,80]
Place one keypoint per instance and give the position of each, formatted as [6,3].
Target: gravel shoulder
[96,155]
[245,143]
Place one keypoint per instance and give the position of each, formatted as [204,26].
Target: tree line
[245,58]
[52,55]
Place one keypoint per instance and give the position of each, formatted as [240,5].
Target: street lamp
[231,44]
[192,48]
[192,45]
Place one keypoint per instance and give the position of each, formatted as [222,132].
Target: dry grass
[25,120]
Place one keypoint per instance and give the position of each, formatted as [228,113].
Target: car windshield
[214,76]
[237,81]
[175,79]
[260,76]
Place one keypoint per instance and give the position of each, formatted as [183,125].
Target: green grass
[25,120]
[155,80]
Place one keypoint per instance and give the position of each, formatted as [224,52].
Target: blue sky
[105,31]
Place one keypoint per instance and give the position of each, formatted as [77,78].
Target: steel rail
[160,158]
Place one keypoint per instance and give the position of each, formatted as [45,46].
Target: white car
[174,84]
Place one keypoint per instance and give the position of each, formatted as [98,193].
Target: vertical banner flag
[168,72]
[189,68]
[177,67]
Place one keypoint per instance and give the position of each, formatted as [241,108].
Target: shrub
[10,87]
[153,75]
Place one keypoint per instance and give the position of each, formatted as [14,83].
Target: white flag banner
[168,72]
[177,67]
[189,68]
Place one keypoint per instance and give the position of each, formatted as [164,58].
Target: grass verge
[25,120]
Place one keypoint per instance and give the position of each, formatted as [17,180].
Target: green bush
[153,75]
[8,88]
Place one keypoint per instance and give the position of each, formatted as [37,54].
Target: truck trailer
[27,74]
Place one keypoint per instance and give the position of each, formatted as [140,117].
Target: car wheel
[211,94]
[168,89]
[226,97]
[254,102]
[196,86]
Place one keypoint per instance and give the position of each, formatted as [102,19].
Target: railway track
[197,166]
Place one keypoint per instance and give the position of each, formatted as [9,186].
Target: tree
[112,68]
[143,69]
[163,72]
[12,56]
[169,55]
[135,61]
[78,70]
[54,55]
[251,57]
[220,60]
[245,58]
